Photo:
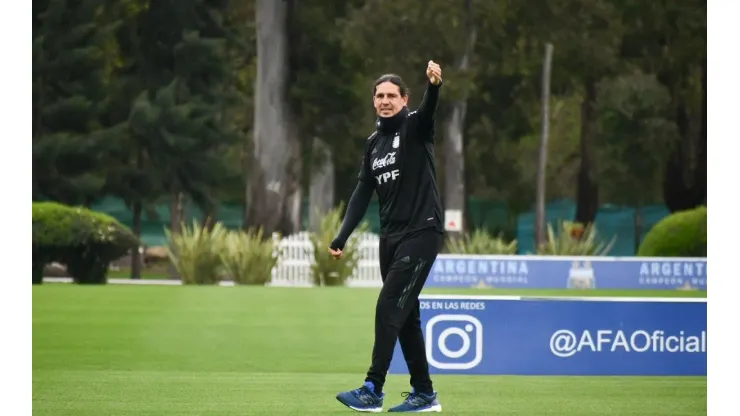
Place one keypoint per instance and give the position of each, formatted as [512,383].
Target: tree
[180,116]
[454,124]
[587,35]
[273,190]
[542,157]
[321,96]
[668,39]
[635,136]
[178,126]
[71,70]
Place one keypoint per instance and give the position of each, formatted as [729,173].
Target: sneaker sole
[373,410]
[437,408]
[366,410]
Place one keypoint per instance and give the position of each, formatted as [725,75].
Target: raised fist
[434,73]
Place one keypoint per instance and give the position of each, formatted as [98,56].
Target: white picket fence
[297,256]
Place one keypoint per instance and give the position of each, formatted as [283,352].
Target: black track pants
[405,263]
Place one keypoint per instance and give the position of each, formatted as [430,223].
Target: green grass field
[153,350]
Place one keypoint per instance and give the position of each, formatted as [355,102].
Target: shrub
[480,242]
[248,258]
[327,271]
[194,252]
[574,239]
[85,241]
[681,234]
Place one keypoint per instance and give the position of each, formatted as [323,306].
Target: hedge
[681,234]
[85,241]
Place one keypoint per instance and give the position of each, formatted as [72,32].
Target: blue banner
[545,272]
[571,336]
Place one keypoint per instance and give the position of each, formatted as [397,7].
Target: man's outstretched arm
[356,209]
[428,106]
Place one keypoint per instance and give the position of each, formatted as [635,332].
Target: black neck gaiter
[386,125]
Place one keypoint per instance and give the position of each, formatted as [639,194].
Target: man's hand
[336,253]
[434,73]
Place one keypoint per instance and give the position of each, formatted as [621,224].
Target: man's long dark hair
[394,79]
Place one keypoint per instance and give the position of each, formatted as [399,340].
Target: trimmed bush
[480,242]
[326,270]
[681,234]
[574,239]
[248,258]
[194,252]
[85,241]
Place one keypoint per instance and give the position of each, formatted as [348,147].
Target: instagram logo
[464,331]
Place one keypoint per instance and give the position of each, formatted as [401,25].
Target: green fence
[611,221]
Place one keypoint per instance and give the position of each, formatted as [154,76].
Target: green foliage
[194,252]
[681,234]
[327,271]
[85,241]
[170,86]
[248,258]
[69,89]
[634,119]
[573,239]
[179,117]
[480,242]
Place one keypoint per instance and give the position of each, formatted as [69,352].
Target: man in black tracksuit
[399,166]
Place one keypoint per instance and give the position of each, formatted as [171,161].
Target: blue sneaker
[363,399]
[418,403]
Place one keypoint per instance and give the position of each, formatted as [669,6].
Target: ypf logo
[387,176]
[454,342]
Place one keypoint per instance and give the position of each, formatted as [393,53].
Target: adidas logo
[406,259]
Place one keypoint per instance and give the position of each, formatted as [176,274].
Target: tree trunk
[135,253]
[542,162]
[638,226]
[247,158]
[700,176]
[176,215]
[588,192]
[270,186]
[454,159]
[685,181]
[291,222]
[321,195]
[210,215]
[136,261]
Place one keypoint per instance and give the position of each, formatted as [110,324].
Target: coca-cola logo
[387,160]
